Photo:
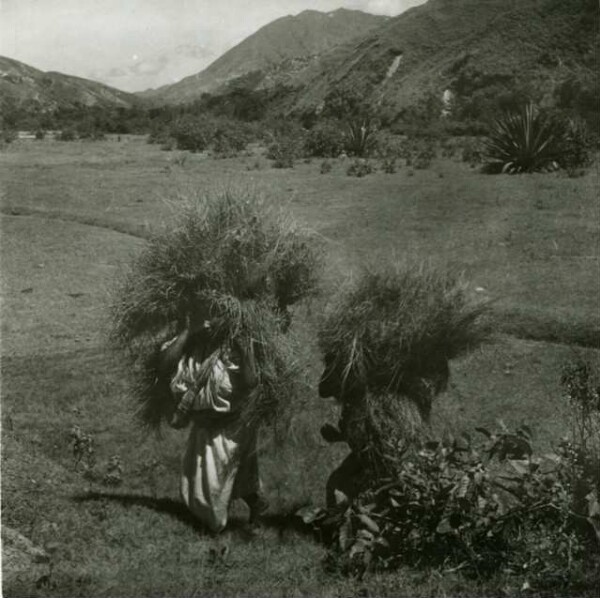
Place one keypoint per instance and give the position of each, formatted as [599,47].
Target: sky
[138,44]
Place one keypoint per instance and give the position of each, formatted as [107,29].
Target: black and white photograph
[300,298]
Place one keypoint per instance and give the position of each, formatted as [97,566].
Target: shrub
[230,258]
[525,141]
[325,140]
[576,150]
[192,133]
[67,135]
[40,134]
[359,168]
[424,157]
[472,152]
[284,151]
[326,167]
[482,507]
[361,140]
[388,165]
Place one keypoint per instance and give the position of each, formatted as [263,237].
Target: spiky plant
[525,141]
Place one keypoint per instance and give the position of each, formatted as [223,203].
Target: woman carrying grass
[387,339]
[210,383]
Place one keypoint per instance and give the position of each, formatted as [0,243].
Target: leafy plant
[325,167]
[480,507]
[525,141]
[325,140]
[359,168]
[388,165]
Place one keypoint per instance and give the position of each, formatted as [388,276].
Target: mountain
[470,47]
[22,86]
[289,38]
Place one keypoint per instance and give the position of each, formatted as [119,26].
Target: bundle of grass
[234,261]
[391,333]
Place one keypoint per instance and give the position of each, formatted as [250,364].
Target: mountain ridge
[299,36]
[24,85]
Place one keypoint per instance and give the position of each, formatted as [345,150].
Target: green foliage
[40,134]
[192,133]
[359,167]
[472,152]
[8,135]
[284,151]
[325,167]
[525,141]
[67,135]
[325,140]
[479,507]
[388,165]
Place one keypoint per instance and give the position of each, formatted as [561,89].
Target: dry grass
[390,326]
[234,261]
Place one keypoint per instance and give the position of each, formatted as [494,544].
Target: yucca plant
[525,141]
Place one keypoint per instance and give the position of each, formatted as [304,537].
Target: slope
[23,86]
[291,37]
[468,46]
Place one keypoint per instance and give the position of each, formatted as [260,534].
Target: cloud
[100,36]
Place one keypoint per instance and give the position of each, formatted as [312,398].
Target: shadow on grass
[280,522]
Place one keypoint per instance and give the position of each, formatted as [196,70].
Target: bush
[284,151]
[67,135]
[359,168]
[388,165]
[525,141]
[361,139]
[576,150]
[325,140]
[8,135]
[482,507]
[424,157]
[230,259]
[40,134]
[192,133]
[326,167]
[472,152]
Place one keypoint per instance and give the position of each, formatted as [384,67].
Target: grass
[531,243]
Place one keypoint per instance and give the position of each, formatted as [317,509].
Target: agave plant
[527,141]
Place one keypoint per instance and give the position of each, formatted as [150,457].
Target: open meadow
[74,215]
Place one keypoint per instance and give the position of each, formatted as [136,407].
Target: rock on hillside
[24,86]
[286,39]
[467,46]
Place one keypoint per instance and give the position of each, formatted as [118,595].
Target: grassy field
[74,214]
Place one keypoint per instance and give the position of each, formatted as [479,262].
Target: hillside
[287,39]
[22,86]
[472,47]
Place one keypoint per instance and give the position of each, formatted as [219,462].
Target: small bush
[361,138]
[326,167]
[8,135]
[483,507]
[325,140]
[359,168]
[472,153]
[40,134]
[424,157]
[388,165]
[525,141]
[284,151]
[67,135]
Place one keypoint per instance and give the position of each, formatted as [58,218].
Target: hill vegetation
[284,41]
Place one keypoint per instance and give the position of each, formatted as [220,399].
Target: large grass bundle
[392,333]
[232,260]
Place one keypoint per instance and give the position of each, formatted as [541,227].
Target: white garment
[220,461]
